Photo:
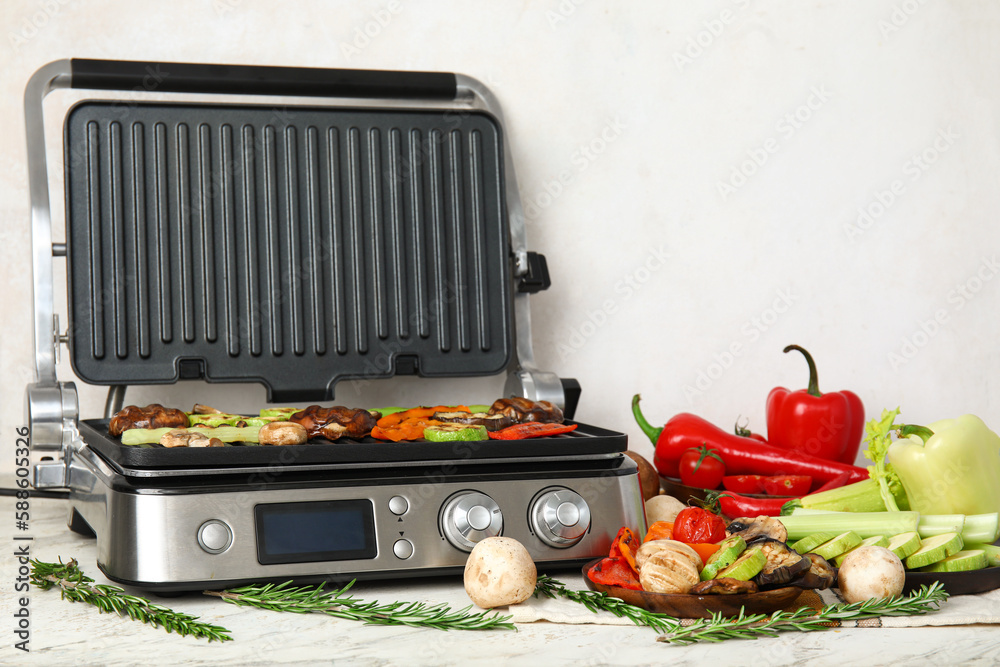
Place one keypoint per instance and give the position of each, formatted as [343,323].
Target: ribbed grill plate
[293,247]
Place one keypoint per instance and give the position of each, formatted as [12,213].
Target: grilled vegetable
[523,410]
[531,430]
[748,528]
[490,422]
[650,549]
[222,419]
[747,566]
[728,552]
[820,575]
[153,415]
[182,437]
[725,586]
[141,436]
[283,433]
[614,572]
[782,562]
[333,422]
[667,571]
[694,524]
[454,433]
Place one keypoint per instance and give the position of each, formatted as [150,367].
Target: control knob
[560,517]
[468,517]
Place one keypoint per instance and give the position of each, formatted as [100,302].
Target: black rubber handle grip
[259,80]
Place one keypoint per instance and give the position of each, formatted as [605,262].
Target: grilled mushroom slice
[283,433]
[820,575]
[783,563]
[523,410]
[749,528]
[180,437]
[723,586]
[493,422]
[332,423]
[153,415]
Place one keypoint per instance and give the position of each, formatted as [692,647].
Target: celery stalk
[938,524]
[981,527]
[865,524]
[863,496]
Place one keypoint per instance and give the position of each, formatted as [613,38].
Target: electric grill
[372,230]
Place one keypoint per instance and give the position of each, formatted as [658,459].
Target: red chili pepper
[741,455]
[614,572]
[530,430]
[734,505]
[828,425]
[835,483]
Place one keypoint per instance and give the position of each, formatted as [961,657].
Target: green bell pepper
[950,467]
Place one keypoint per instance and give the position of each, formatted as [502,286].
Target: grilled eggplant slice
[749,528]
[820,575]
[783,563]
[723,586]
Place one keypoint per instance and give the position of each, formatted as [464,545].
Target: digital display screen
[311,532]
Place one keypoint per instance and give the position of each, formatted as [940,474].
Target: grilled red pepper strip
[614,572]
[530,430]
[742,456]
[828,425]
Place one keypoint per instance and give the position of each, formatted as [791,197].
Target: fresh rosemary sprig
[75,586]
[597,601]
[753,626]
[314,600]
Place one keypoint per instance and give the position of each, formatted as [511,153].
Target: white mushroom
[499,572]
[662,508]
[871,572]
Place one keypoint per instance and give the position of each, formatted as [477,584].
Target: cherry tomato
[787,485]
[745,431]
[701,467]
[694,524]
[744,483]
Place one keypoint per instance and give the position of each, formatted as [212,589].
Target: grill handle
[168,77]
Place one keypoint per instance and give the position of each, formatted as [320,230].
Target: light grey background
[695,174]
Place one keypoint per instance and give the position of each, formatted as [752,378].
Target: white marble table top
[64,633]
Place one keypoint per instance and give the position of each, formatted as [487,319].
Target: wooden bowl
[698,606]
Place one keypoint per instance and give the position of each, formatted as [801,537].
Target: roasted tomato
[694,524]
[701,467]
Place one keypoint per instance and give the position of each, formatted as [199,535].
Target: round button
[215,536]
[479,518]
[468,517]
[560,517]
[403,549]
[398,505]
[568,514]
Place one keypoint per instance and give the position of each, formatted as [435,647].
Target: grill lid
[294,247]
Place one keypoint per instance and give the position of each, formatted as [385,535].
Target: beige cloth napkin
[956,610]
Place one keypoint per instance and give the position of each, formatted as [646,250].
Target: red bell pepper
[742,456]
[828,425]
